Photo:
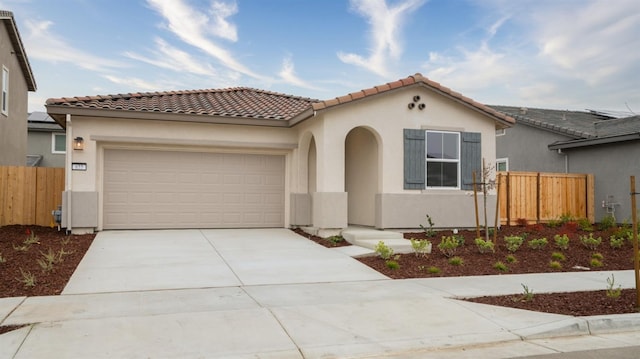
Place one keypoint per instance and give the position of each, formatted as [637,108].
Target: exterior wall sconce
[78,143]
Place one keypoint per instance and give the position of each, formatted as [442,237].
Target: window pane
[442,174]
[434,145]
[450,174]
[61,143]
[501,166]
[434,174]
[450,145]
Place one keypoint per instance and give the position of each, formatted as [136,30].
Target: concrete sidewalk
[296,316]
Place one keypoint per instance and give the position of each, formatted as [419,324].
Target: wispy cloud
[386,25]
[193,27]
[560,55]
[44,44]
[137,83]
[169,57]
[288,74]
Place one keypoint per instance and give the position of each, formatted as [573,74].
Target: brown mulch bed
[577,258]
[20,259]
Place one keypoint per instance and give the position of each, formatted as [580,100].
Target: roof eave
[16,41]
[594,141]
[59,112]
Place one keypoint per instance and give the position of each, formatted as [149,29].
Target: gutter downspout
[68,174]
[566,160]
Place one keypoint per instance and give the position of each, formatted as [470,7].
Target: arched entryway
[361,176]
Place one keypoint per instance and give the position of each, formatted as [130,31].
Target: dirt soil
[50,259]
[528,260]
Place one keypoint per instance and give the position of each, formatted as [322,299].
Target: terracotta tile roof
[414,80]
[6,17]
[232,102]
[249,103]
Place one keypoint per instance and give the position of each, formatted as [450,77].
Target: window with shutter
[441,159]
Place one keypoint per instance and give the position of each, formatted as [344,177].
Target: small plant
[554,223]
[21,248]
[429,232]
[511,259]
[335,240]
[501,267]
[590,242]
[513,242]
[555,265]
[66,240]
[607,222]
[585,225]
[485,246]
[27,279]
[613,292]
[538,243]
[48,260]
[2,259]
[32,238]
[456,261]
[566,217]
[420,247]
[595,263]
[558,256]
[384,251]
[393,265]
[616,242]
[527,294]
[561,241]
[597,256]
[522,222]
[448,245]
[433,270]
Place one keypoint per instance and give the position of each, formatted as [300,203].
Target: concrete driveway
[122,261]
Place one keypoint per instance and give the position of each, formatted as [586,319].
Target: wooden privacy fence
[541,197]
[29,194]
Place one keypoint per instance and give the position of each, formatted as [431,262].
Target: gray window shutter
[414,159]
[470,159]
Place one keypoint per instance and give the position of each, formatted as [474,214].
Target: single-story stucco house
[383,157]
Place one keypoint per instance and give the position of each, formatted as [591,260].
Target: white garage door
[166,189]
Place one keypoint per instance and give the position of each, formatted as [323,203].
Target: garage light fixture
[78,143]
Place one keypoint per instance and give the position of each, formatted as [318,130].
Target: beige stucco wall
[13,126]
[385,116]
[100,134]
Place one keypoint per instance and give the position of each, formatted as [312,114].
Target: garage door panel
[162,189]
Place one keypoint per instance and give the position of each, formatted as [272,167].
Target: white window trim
[4,94]
[426,178]
[503,160]
[53,143]
[501,132]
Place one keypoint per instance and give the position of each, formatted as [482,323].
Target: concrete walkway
[286,298]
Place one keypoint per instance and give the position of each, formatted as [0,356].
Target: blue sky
[562,54]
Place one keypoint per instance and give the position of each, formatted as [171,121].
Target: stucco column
[329,202]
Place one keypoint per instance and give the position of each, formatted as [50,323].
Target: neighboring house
[46,141]
[383,157]
[576,142]
[16,80]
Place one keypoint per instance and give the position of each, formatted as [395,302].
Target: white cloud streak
[386,25]
[288,75]
[43,44]
[193,28]
[171,58]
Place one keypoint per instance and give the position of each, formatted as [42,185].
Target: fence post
[634,221]
[508,199]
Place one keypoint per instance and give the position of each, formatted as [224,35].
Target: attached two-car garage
[173,189]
